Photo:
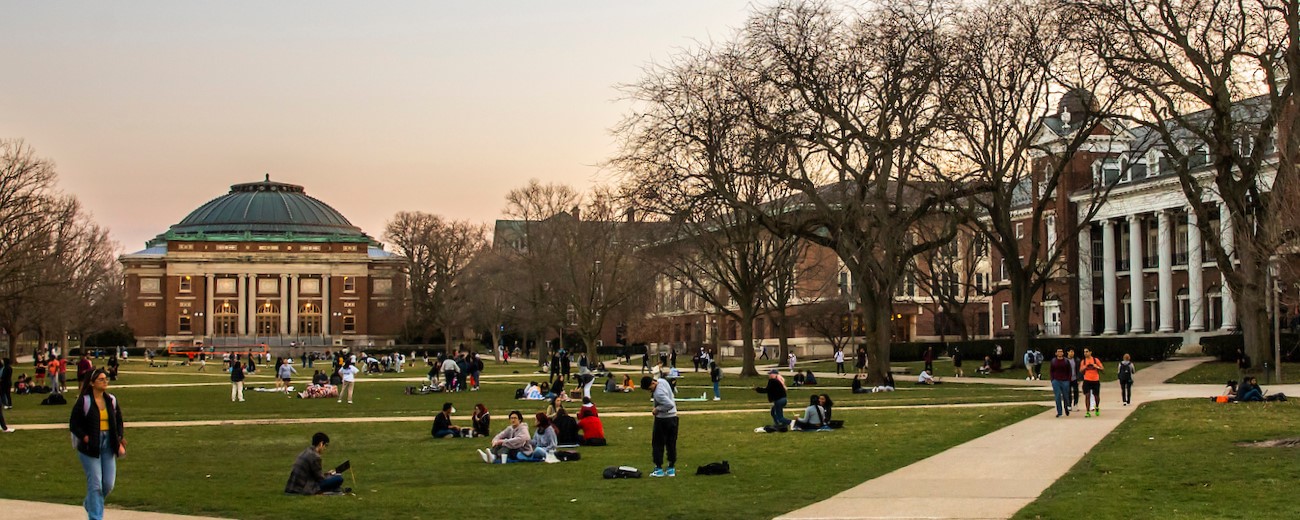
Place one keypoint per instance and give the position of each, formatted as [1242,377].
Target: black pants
[1092,388]
[5,398]
[1126,390]
[3,425]
[839,367]
[664,436]
[1074,393]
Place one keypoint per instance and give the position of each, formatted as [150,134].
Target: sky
[150,109]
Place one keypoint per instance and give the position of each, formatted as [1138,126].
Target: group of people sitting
[886,386]
[1247,391]
[321,386]
[613,387]
[552,429]
[805,378]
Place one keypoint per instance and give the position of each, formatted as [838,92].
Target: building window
[267,319]
[184,325]
[349,284]
[1184,310]
[1098,255]
[1051,232]
[1003,267]
[186,284]
[349,324]
[1214,308]
[225,319]
[1006,315]
[1151,245]
[1020,230]
[1180,244]
[309,319]
[1152,316]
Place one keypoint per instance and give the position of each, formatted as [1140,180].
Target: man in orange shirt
[1092,369]
[52,371]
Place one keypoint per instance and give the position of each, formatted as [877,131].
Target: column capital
[1109,223]
[1134,217]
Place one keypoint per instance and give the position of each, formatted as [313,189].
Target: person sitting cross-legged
[513,439]
[814,417]
[306,477]
[442,426]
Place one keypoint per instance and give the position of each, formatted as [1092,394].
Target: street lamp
[1274,270]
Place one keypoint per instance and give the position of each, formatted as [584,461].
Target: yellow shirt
[103,420]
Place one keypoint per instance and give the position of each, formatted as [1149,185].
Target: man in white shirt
[926,379]
[349,375]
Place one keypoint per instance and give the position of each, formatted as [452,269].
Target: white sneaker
[9,430]
[483,454]
[349,402]
[717,398]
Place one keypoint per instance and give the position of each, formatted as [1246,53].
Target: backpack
[622,472]
[714,468]
[519,393]
[54,399]
[1245,361]
[566,455]
[1125,372]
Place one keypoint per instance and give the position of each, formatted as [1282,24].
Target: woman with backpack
[1125,374]
[96,427]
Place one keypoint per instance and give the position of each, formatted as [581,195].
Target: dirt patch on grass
[1292,442]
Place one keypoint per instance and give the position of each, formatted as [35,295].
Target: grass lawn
[1219,372]
[1132,473]
[239,471]
[943,368]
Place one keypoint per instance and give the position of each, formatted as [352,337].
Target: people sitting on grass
[986,368]
[482,421]
[857,385]
[809,379]
[887,385]
[542,443]
[828,405]
[566,428]
[925,378]
[814,416]
[611,386]
[589,424]
[533,391]
[628,386]
[510,441]
[306,477]
[777,395]
[442,426]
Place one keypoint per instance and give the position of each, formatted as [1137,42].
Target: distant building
[264,264]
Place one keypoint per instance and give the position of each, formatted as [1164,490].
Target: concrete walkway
[996,475]
[47,511]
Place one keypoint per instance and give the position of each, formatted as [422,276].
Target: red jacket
[591,428]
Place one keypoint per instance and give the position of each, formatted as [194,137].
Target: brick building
[264,264]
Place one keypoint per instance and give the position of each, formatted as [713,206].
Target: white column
[293,304]
[1136,296]
[242,290]
[1165,244]
[1109,284]
[209,294]
[1228,234]
[1195,286]
[252,304]
[284,304]
[1085,280]
[326,318]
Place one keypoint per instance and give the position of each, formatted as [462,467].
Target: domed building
[265,264]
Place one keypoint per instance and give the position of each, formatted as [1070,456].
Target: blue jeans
[716,393]
[778,412]
[539,455]
[101,474]
[331,483]
[1061,390]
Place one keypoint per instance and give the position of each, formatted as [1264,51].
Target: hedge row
[1105,348]
[1225,347]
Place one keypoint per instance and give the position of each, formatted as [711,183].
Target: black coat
[775,390]
[84,424]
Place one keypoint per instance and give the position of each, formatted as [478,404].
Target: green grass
[943,368]
[1219,372]
[1178,459]
[239,472]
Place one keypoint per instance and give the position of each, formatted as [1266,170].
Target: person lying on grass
[306,477]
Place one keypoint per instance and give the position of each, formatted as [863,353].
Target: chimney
[631,214]
[576,212]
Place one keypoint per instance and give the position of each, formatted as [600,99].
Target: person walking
[284,374]
[1125,376]
[715,375]
[1060,371]
[1029,365]
[96,427]
[956,362]
[928,358]
[1092,369]
[839,361]
[4,426]
[349,375]
[861,363]
[6,384]
[792,359]
[1075,377]
[663,436]
[236,381]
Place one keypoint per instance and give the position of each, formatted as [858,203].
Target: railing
[1052,329]
[1180,258]
[1150,261]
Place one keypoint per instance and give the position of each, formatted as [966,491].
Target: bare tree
[1209,79]
[1012,59]
[949,276]
[527,249]
[437,252]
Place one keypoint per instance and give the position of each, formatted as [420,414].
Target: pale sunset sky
[150,109]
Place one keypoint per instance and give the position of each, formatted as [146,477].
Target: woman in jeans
[96,426]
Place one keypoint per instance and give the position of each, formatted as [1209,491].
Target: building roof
[262,211]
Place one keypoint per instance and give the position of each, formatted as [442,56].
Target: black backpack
[519,393]
[714,468]
[567,456]
[54,399]
[622,472]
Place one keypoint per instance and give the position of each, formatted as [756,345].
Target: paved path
[47,511]
[992,476]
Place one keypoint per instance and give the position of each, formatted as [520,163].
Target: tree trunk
[496,341]
[747,344]
[592,355]
[1252,311]
[876,325]
[782,337]
[1021,305]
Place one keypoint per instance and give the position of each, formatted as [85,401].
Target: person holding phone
[96,427]
[306,477]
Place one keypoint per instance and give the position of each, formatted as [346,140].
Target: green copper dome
[265,211]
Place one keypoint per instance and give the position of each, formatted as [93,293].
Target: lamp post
[1274,270]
